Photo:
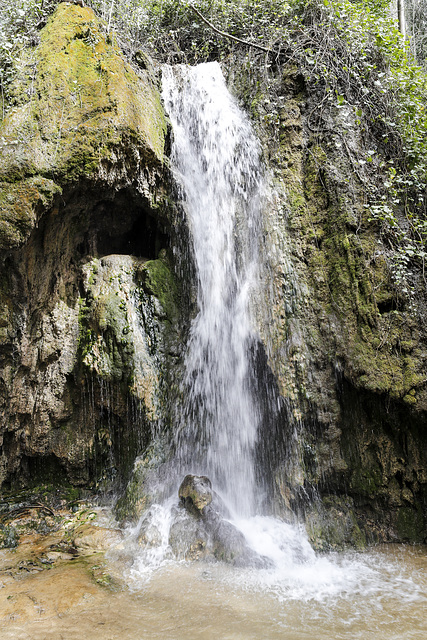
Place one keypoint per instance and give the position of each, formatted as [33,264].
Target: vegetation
[416,19]
[350,53]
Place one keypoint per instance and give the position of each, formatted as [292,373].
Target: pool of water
[378,594]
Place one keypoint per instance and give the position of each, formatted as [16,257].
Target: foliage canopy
[350,53]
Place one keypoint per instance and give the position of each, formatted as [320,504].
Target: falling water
[216,162]
[215,159]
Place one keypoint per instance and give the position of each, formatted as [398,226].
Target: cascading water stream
[216,163]
[215,159]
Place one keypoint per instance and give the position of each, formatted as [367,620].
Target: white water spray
[215,159]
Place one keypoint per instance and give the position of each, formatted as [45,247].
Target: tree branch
[228,35]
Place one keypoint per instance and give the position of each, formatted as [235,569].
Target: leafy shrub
[350,53]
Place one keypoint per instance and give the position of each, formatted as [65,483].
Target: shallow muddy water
[381,593]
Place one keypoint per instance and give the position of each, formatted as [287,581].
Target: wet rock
[141,491]
[230,545]
[149,533]
[188,537]
[9,537]
[90,539]
[195,492]
[202,531]
[332,525]
[65,316]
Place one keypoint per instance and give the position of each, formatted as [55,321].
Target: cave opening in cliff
[135,233]
[125,225]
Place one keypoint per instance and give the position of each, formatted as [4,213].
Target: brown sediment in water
[49,590]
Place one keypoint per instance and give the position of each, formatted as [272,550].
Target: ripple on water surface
[375,594]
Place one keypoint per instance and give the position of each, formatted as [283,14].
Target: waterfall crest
[216,162]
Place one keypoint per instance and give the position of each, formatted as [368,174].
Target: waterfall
[215,159]
[225,408]
[216,163]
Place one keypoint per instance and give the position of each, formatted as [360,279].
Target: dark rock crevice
[44,289]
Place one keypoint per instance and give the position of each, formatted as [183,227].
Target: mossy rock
[410,525]
[158,280]
[331,525]
[367,482]
[90,114]
[139,494]
[9,538]
[21,203]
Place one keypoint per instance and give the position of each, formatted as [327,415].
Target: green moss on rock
[410,525]
[20,206]
[160,282]
[332,525]
[9,538]
[126,322]
[367,481]
[138,495]
[89,111]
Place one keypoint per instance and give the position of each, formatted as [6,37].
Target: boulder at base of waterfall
[188,537]
[230,545]
[149,534]
[201,529]
[195,493]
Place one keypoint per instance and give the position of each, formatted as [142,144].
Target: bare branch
[228,35]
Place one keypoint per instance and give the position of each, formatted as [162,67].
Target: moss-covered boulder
[77,111]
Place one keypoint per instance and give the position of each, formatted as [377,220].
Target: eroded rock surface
[87,294]
[341,361]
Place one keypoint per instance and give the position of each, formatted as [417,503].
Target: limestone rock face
[87,295]
[343,347]
[80,111]
[196,491]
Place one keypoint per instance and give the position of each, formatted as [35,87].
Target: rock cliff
[346,337]
[91,315]
[87,296]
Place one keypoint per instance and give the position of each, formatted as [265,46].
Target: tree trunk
[401,17]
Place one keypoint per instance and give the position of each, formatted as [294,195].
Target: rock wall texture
[86,293]
[92,317]
[346,340]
